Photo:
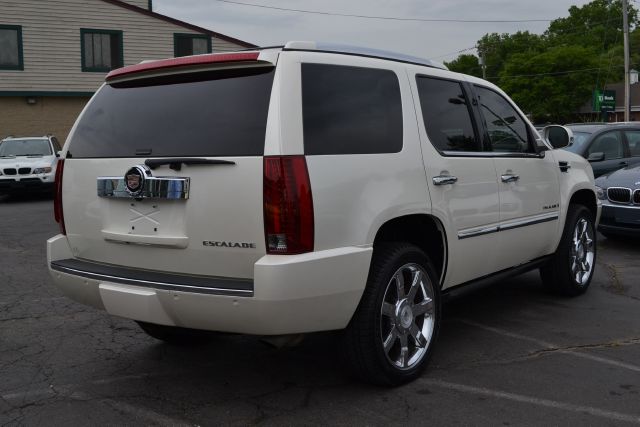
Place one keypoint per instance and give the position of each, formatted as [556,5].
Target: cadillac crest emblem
[134,180]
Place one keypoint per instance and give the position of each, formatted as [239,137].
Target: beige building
[54,54]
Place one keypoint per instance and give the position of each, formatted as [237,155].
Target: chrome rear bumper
[154,279]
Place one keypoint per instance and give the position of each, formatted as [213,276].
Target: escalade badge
[134,179]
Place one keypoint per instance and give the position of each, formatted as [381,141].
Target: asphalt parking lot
[509,355]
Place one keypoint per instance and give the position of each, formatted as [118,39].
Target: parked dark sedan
[620,195]
[608,147]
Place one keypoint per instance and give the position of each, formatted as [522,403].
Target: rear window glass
[221,113]
[350,110]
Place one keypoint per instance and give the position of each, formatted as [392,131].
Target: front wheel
[391,336]
[570,270]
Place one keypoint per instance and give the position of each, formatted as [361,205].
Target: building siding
[49,115]
[140,3]
[51,41]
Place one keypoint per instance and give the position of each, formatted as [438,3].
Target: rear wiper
[176,164]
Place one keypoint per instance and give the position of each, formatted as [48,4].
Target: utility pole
[625,29]
[483,65]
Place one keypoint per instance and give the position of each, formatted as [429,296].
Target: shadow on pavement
[25,197]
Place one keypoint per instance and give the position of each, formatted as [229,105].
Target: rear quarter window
[350,110]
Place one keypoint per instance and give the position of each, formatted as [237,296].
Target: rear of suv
[310,188]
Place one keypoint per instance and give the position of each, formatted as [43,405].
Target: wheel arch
[423,230]
[586,198]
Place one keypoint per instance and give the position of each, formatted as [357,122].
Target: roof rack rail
[361,51]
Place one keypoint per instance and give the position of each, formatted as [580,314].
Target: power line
[557,73]
[453,53]
[389,18]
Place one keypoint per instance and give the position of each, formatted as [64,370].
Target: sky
[440,41]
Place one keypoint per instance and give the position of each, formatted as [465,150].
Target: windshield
[579,139]
[218,113]
[25,147]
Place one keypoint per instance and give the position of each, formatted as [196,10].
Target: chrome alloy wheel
[407,320]
[582,252]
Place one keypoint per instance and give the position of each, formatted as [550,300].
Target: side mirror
[558,136]
[596,157]
[58,153]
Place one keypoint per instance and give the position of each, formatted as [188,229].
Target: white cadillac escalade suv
[309,188]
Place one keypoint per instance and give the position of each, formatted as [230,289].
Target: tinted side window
[610,144]
[633,138]
[508,132]
[350,110]
[447,119]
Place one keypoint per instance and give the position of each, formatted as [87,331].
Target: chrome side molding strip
[160,187]
[523,222]
[480,231]
[508,225]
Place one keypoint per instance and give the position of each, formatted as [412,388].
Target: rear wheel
[391,336]
[175,335]
[570,270]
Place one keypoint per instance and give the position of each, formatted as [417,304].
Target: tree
[545,73]
[555,92]
[496,49]
[597,24]
[467,64]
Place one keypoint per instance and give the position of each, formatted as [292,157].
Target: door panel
[529,208]
[471,207]
[528,184]
[462,182]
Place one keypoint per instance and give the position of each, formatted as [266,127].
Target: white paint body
[353,197]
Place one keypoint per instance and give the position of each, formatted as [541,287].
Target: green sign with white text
[604,100]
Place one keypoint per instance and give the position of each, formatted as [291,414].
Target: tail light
[57,201]
[288,205]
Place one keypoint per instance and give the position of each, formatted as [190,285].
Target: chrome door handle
[444,180]
[509,177]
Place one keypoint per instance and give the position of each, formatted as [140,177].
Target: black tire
[560,274]
[363,338]
[175,335]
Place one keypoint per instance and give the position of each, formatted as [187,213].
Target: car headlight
[601,193]
[41,170]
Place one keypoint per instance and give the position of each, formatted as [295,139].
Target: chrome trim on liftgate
[508,225]
[160,187]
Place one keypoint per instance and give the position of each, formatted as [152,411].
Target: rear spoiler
[188,63]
